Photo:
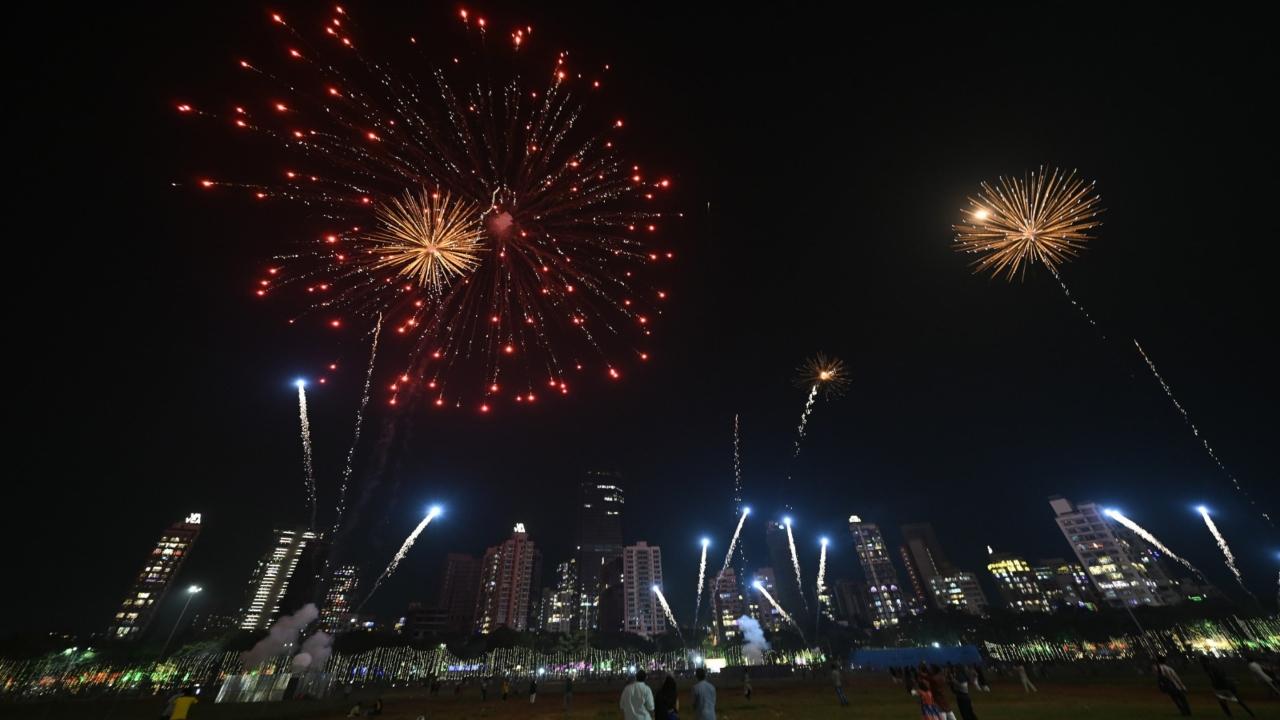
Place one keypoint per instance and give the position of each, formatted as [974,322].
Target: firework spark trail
[1196,431]
[804,416]
[821,585]
[355,437]
[671,617]
[702,579]
[1142,533]
[1227,555]
[737,467]
[785,615]
[733,542]
[309,477]
[1077,304]
[402,552]
[795,563]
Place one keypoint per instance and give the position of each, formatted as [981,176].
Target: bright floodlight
[300,383]
[655,588]
[746,511]
[706,542]
[786,520]
[194,589]
[757,585]
[825,541]
[1202,510]
[434,511]
[1109,512]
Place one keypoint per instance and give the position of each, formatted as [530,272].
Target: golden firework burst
[827,374]
[428,237]
[1046,217]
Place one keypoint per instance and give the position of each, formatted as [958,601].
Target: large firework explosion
[485,212]
[1046,217]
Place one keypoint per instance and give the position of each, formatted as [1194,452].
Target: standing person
[533,690]
[959,680]
[1259,672]
[1170,684]
[909,679]
[837,679]
[928,710]
[167,711]
[667,705]
[568,693]
[981,676]
[506,688]
[377,707]
[484,688]
[746,685]
[637,699]
[938,686]
[1027,685]
[704,697]
[1223,687]
[182,704]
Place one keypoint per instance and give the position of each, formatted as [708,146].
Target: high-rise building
[152,583]
[611,602]
[641,573]
[786,590]
[924,559]
[421,622]
[340,599]
[1017,583]
[271,577]
[599,539]
[958,590]
[852,602]
[884,595]
[758,606]
[460,582]
[1125,572]
[727,604]
[560,601]
[1066,584]
[507,580]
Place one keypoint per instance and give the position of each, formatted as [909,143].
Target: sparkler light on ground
[1047,217]
[1227,555]
[702,581]
[785,615]
[400,555]
[304,423]
[1142,533]
[671,617]
[795,562]
[488,214]
[822,376]
[355,436]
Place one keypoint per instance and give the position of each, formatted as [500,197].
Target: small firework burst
[826,376]
[1046,217]
[427,237]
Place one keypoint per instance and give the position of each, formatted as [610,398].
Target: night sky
[820,160]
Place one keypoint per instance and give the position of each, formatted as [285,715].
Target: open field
[1065,696]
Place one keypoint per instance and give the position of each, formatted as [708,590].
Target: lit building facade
[641,572]
[758,606]
[506,583]
[1066,584]
[340,598]
[459,586]
[154,580]
[884,594]
[1017,583]
[271,578]
[1119,565]
[959,590]
[560,601]
[727,604]
[925,560]
[599,540]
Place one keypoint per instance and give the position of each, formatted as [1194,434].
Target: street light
[191,593]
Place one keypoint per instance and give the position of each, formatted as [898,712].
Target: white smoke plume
[282,636]
[754,646]
[315,652]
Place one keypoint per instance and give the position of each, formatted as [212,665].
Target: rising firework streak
[702,575]
[733,542]
[403,551]
[304,423]
[1227,555]
[795,562]
[822,376]
[671,618]
[355,436]
[785,615]
[1142,533]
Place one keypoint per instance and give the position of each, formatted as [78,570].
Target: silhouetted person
[837,679]
[1170,684]
[1223,687]
[667,703]
[704,697]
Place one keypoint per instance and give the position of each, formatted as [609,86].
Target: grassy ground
[873,697]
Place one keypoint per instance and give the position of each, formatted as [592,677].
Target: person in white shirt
[1169,683]
[637,699]
[1260,673]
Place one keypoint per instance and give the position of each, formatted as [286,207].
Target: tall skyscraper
[1066,584]
[459,585]
[1121,567]
[959,590]
[157,575]
[560,601]
[1017,583]
[340,599]
[786,590]
[727,604]
[852,602]
[758,606]
[599,538]
[507,579]
[884,595]
[924,559]
[271,578]
[641,571]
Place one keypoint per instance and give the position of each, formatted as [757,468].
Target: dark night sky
[833,154]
